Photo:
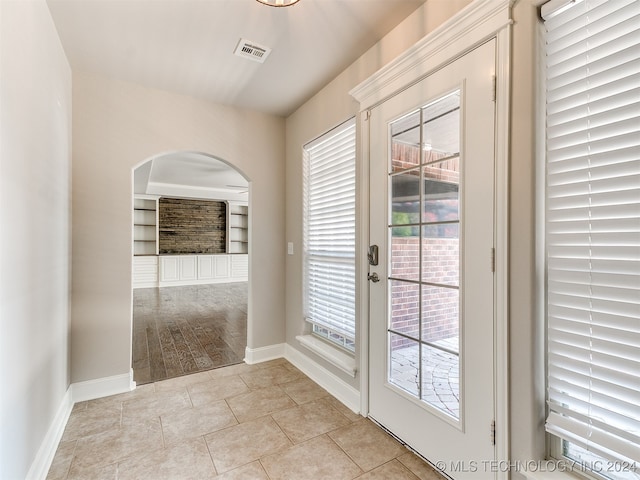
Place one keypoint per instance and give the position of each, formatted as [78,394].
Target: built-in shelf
[145,226]
[237,228]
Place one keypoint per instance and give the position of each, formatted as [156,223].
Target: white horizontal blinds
[593,225]
[330,194]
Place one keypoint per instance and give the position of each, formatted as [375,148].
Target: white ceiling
[186,46]
[190,175]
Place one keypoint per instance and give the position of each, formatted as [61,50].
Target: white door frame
[479,21]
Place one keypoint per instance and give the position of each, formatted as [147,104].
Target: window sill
[335,357]
[549,476]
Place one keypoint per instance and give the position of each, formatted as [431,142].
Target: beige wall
[117,126]
[525,320]
[328,108]
[35,156]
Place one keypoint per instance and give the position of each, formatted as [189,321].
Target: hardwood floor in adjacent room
[187,329]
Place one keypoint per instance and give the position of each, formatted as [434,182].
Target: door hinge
[367,115]
[493,260]
[494,88]
[493,432]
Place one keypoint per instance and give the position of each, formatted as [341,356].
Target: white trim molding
[479,22]
[44,458]
[263,354]
[102,387]
[344,392]
[77,392]
[335,357]
[473,25]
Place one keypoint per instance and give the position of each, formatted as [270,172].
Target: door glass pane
[404,364]
[440,312]
[441,191]
[405,256]
[441,127]
[405,206]
[441,254]
[424,232]
[405,308]
[441,380]
[405,142]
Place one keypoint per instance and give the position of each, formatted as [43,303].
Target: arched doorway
[190,265]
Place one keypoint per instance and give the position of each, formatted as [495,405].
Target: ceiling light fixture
[279,3]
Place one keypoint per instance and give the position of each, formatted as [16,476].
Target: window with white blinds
[329,234]
[592,228]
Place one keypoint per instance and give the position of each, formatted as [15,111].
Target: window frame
[554,443]
[339,340]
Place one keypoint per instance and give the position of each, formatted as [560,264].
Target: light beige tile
[309,420]
[267,377]
[160,403]
[140,392]
[291,367]
[273,363]
[259,402]
[79,406]
[393,469]
[184,461]
[343,409]
[62,461]
[232,370]
[93,472]
[118,444]
[253,471]
[218,389]
[317,459]
[89,421]
[304,390]
[368,445]
[419,467]
[196,421]
[245,443]
[179,383]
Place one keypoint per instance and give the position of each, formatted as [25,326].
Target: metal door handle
[373,277]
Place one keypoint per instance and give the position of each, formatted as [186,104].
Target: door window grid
[424,279]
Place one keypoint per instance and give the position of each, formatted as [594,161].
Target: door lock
[373,277]
[372,255]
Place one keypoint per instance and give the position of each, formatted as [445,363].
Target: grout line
[211,456]
[164,443]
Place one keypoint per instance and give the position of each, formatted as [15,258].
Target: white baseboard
[145,285]
[102,387]
[42,463]
[263,354]
[181,283]
[77,392]
[323,377]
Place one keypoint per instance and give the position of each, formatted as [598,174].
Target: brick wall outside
[439,305]
[191,226]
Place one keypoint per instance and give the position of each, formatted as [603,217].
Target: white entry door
[432,304]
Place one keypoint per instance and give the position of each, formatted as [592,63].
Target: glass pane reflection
[405,142]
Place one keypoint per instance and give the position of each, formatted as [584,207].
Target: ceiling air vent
[252,51]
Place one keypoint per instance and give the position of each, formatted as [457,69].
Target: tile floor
[246,422]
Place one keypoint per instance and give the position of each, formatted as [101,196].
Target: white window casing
[329,234]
